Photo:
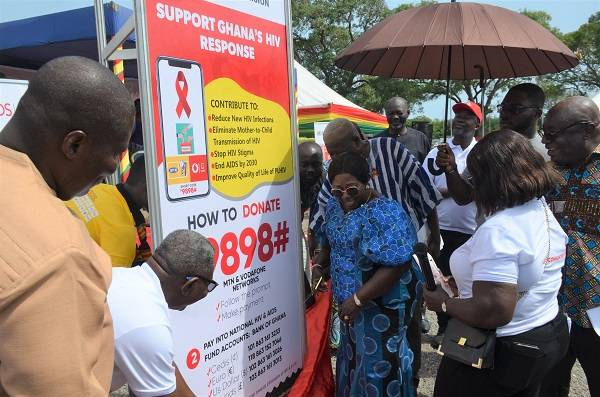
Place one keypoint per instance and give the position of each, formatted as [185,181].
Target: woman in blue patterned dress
[374,282]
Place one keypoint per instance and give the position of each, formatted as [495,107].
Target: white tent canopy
[313,92]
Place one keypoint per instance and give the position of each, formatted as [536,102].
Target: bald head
[397,111]
[572,130]
[341,136]
[75,93]
[339,129]
[307,149]
[396,100]
[577,107]
[73,121]
[311,164]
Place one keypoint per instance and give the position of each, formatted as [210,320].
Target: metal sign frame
[109,51]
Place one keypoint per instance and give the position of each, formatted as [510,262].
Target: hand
[348,310]
[433,246]
[445,158]
[318,279]
[434,299]
[452,284]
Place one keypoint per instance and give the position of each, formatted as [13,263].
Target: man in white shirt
[178,274]
[520,111]
[457,223]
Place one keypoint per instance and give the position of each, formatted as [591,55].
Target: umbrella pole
[447,88]
[430,162]
[447,98]
[482,86]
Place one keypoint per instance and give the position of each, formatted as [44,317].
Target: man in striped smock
[395,174]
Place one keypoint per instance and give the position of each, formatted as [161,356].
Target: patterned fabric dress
[374,358]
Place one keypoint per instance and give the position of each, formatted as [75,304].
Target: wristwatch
[444,307]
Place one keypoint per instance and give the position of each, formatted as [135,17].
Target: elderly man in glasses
[572,136]
[178,274]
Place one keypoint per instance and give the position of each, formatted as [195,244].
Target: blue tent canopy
[31,42]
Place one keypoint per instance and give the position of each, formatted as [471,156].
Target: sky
[567,16]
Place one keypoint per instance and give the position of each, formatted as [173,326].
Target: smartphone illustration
[183,125]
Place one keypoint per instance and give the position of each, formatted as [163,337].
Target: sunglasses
[514,109]
[210,284]
[352,191]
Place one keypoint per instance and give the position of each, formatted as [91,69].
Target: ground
[430,361]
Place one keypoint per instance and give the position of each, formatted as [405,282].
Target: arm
[183,390]
[320,270]
[434,234]
[492,305]
[396,232]
[145,357]
[382,281]
[317,216]
[419,195]
[459,189]
[56,333]
[494,263]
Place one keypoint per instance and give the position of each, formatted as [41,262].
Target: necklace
[368,198]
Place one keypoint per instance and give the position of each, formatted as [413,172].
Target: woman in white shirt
[508,274]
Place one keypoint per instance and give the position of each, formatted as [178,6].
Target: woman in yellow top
[113,218]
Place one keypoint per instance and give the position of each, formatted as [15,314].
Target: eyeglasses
[352,191]
[554,134]
[162,263]
[514,109]
[210,284]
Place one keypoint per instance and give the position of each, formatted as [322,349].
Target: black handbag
[468,345]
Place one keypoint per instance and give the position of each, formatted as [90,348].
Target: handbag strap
[522,293]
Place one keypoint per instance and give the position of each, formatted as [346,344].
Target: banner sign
[319,128]
[11,92]
[218,83]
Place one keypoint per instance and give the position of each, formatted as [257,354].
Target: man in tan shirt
[56,335]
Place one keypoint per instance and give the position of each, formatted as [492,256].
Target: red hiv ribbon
[182,91]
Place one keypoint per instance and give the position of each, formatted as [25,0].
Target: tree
[584,79]
[323,28]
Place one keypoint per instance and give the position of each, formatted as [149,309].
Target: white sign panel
[11,92]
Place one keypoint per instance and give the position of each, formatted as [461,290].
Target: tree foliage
[322,29]
[584,79]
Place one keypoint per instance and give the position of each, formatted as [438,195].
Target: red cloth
[316,378]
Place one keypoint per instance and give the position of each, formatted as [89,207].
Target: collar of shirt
[147,270]
[454,146]
[23,160]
